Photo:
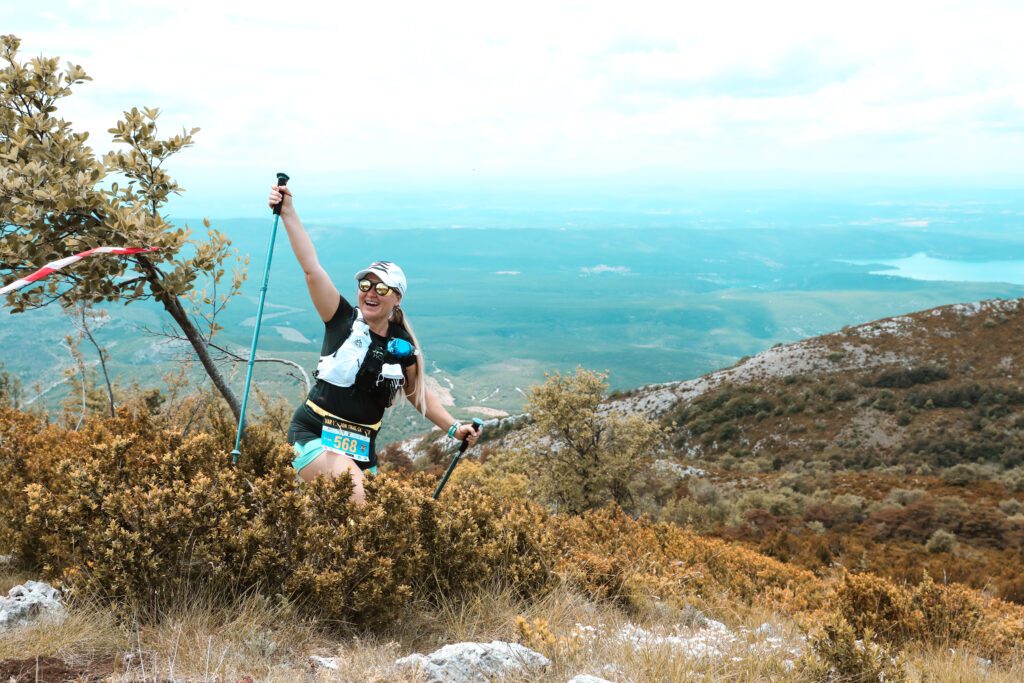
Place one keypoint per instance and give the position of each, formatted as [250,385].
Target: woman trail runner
[369,354]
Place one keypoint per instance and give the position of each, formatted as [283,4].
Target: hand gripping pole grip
[282,180]
[477,423]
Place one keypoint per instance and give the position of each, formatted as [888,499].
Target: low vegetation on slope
[914,464]
[856,539]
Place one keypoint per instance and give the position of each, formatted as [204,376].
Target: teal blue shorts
[308,452]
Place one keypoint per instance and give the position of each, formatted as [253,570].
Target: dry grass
[199,639]
[491,614]
[86,634]
[948,666]
[11,577]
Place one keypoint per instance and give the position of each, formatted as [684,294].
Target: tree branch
[228,354]
[102,355]
[241,359]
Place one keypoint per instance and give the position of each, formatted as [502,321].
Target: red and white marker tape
[57,265]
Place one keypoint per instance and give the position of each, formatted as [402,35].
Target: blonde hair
[420,393]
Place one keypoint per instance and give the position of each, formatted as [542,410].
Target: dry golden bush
[135,515]
[837,654]
[931,614]
[19,432]
[634,561]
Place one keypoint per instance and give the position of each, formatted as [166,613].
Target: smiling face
[376,308]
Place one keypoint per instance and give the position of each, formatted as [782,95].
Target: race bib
[345,437]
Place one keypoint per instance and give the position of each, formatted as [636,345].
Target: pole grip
[477,423]
[282,180]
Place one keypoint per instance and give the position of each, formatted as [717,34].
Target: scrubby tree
[10,389]
[57,198]
[592,456]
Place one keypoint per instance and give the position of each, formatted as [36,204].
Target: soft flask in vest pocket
[399,348]
[340,368]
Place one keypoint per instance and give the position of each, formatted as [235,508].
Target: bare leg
[331,464]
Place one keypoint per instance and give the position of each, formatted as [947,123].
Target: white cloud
[332,91]
[602,268]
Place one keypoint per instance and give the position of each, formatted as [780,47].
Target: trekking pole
[282,180]
[477,423]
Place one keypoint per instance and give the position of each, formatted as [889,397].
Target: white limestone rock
[472,662]
[329,663]
[29,602]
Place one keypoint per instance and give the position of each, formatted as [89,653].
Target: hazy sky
[396,95]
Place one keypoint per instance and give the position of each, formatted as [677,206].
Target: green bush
[782,503]
[963,474]
[1011,507]
[940,542]
[1013,479]
[592,457]
[904,378]
[904,497]
[966,395]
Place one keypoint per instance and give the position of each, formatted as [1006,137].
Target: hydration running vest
[348,365]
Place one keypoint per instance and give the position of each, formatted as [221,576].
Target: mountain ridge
[895,446]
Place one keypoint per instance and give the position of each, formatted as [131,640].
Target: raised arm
[321,290]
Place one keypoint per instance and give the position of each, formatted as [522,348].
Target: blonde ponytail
[420,393]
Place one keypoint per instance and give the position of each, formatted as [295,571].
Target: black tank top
[370,395]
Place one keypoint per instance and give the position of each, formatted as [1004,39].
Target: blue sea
[649,289]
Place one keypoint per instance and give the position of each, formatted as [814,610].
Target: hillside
[168,553]
[895,446]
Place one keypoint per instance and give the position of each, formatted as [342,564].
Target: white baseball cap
[388,272]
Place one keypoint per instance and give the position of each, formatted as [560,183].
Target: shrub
[903,497]
[805,482]
[134,515]
[495,480]
[915,522]
[836,654]
[847,392]
[832,516]
[885,401]
[1011,507]
[593,458]
[854,504]
[963,474]
[929,613]
[966,395]
[10,389]
[633,562]
[941,542]
[782,503]
[815,527]
[725,404]
[705,493]
[1014,479]
[393,458]
[904,378]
